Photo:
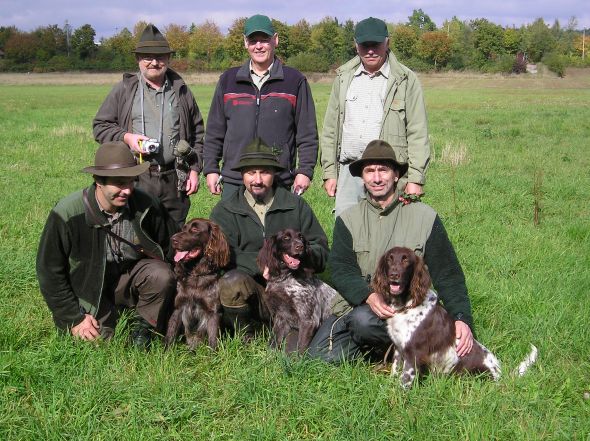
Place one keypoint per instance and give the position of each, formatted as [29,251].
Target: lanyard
[141,99]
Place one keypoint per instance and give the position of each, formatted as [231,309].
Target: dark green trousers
[355,334]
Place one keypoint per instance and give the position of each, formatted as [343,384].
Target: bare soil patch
[575,78]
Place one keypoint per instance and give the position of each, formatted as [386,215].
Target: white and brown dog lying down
[422,331]
[295,298]
[201,254]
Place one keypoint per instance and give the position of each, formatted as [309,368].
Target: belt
[161,169]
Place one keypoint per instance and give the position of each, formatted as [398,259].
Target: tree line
[457,45]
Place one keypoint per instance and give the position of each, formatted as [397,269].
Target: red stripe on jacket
[235,97]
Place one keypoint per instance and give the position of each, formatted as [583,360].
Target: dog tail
[527,362]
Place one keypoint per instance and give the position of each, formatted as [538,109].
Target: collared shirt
[154,102]
[120,223]
[363,111]
[259,80]
[260,208]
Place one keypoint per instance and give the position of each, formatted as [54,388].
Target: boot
[141,334]
[239,320]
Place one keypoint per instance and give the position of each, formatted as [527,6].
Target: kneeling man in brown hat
[104,248]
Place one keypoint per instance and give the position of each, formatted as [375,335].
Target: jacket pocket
[395,124]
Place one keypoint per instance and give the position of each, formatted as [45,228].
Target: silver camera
[149,146]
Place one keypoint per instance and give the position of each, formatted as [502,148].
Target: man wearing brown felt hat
[104,248]
[156,104]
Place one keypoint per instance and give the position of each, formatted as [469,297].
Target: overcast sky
[107,17]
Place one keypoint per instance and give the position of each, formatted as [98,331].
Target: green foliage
[233,44]
[539,41]
[420,22]
[83,42]
[556,63]
[309,62]
[435,47]
[403,41]
[488,39]
[477,45]
[327,40]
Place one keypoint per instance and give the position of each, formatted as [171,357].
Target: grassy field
[510,176]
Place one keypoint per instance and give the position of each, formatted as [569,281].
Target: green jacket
[71,258]
[363,233]
[245,233]
[404,124]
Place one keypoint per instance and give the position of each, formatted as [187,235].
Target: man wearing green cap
[258,210]
[373,97]
[362,234]
[155,103]
[262,98]
[104,248]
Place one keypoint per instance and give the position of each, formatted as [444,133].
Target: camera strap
[142,101]
[95,219]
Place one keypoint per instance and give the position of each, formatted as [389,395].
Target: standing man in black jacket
[262,98]
[155,103]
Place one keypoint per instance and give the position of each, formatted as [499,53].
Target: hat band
[114,166]
[152,44]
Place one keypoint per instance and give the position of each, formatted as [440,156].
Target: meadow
[510,174]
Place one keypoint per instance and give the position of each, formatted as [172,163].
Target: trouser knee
[236,289]
[366,329]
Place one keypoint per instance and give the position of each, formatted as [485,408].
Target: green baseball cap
[370,29]
[258,23]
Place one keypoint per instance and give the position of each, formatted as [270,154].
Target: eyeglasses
[262,40]
[150,58]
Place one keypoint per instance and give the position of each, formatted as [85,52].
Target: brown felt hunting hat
[115,159]
[258,154]
[376,151]
[152,42]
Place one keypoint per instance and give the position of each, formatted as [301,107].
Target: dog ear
[217,251]
[379,282]
[420,283]
[268,257]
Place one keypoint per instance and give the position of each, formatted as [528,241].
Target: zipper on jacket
[257,109]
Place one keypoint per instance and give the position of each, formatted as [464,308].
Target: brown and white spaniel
[296,299]
[201,253]
[422,331]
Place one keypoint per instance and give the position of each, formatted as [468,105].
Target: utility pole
[583,43]
[68,31]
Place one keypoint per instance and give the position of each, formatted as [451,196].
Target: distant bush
[419,65]
[309,62]
[556,63]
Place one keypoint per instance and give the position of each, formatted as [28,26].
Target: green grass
[528,283]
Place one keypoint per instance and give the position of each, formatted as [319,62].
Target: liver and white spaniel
[422,331]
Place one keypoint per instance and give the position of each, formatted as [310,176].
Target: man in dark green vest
[362,234]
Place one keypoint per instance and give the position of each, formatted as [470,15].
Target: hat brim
[370,38]
[253,162]
[119,172]
[356,167]
[264,31]
[153,50]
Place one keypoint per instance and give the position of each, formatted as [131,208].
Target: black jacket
[282,113]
